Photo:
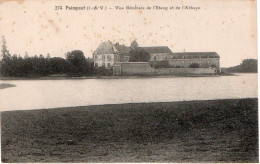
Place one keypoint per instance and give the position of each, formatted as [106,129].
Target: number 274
[58,7]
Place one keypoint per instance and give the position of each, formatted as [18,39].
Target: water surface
[40,94]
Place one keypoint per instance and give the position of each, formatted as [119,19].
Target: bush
[102,71]
[213,66]
[194,65]
[160,64]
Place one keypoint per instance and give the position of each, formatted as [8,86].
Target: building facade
[188,59]
[107,54]
[145,69]
[163,55]
[157,53]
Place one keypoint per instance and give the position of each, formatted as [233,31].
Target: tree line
[75,64]
[247,65]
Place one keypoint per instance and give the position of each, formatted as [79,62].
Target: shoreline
[130,104]
[109,77]
[184,131]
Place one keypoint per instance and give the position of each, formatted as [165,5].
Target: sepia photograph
[172,81]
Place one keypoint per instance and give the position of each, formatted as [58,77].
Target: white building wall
[104,60]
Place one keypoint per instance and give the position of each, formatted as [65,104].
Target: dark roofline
[153,47]
[195,53]
[162,49]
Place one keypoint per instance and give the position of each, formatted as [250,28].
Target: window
[103,57]
[126,59]
[103,64]
[108,64]
[96,57]
[109,58]
[96,64]
[154,58]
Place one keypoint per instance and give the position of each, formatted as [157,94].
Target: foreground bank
[194,131]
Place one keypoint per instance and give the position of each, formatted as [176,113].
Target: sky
[227,27]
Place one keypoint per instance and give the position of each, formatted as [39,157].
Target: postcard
[128,81]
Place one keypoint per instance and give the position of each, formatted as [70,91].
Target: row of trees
[247,65]
[75,64]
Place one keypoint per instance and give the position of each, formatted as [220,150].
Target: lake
[41,94]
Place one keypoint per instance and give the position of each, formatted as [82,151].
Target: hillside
[247,65]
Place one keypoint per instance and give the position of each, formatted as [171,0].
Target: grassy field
[194,131]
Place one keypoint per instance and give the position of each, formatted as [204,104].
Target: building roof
[110,48]
[105,48]
[157,49]
[122,49]
[190,54]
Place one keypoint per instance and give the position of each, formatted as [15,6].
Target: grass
[194,131]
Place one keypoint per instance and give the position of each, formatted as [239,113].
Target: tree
[48,56]
[41,56]
[248,65]
[58,65]
[26,56]
[6,67]
[5,53]
[194,65]
[139,55]
[213,65]
[77,63]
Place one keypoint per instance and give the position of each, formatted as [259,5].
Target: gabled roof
[110,48]
[202,54]
[105,48]
[122,49]
[158,49]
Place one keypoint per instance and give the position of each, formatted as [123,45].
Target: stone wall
[136,68]
[203,62]
[143,68]
[185,71]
